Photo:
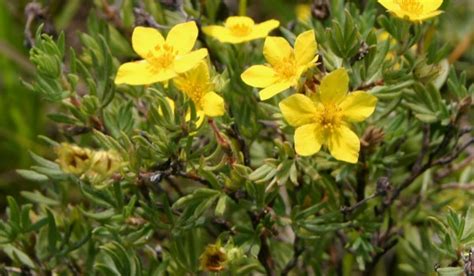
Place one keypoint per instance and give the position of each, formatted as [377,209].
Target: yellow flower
[286,64]
[162,59]
[303,12]
[414,10]
[197,85]
[325,119]
[73,159]
[238,29]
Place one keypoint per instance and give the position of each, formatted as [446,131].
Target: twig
[362,174]
[297,251]
[448,159]
[9,52]
[455,167]
[424,148]
[370,85]
[235,132]
[350,209]
[264,255]
[222,141]
[461,48]
[458,186]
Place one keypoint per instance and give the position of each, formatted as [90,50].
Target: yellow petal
[273,89]
[264,28]
[390,5]
[305,48]
[334,86]
[239,20]
[188,61]
[140,73]
[258,76]
[145,39]
[170,103]
[276,49]
[212,104]
[358,105]
[182,37]
[221,33]
[308,140]
[431,5]
[200,74]
[344,144]
[427,16]
[200,118]
[298,110]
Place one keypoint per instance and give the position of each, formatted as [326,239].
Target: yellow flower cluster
[95,166]
[174,58]
[320,120]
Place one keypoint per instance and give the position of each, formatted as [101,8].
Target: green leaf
[37,197]
[16,254]
[32,175]
[450,271]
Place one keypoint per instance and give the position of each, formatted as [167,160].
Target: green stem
[243,7]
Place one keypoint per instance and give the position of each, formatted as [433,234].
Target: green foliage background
[79,229]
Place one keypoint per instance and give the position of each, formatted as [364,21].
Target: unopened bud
[213,258]
[372,137]
[104,164]
[73,159]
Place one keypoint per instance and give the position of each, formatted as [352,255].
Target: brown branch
[297,251]
[222,141]
[454,167]
[235,132]
[15,56]
[264,255]
[370,85]
[461,48]
[458,186]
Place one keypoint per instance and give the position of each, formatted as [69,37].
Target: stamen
[240,29]
[410,6]
[161,57]
[329,117]
[286,69]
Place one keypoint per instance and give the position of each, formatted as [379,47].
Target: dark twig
[34,12]
[362,174]
[235,132]
[425,145]
[264,255]
[297,251]
[458,186]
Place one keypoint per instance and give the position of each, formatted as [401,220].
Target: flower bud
[104,164]
[426,73]
[213,258]
[73,159]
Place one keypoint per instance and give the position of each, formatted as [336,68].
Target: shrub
[337,144]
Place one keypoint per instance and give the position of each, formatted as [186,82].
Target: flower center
[161,57]
[240,29]
[410,6]
[195,91]
[329,117]
[286,69]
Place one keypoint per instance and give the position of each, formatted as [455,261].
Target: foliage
[137,184]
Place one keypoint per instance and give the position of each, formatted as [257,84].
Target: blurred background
[23,114]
